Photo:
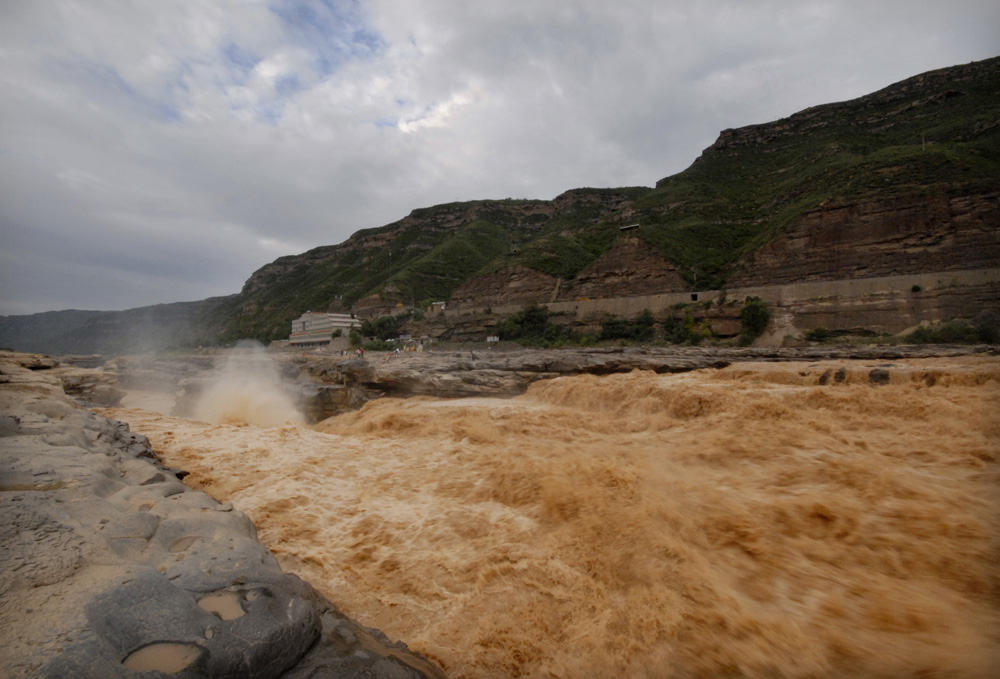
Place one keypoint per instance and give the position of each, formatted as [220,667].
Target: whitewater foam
[248,389]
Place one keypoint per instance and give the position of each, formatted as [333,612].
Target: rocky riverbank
[111,567]
[324,384]
[483,372]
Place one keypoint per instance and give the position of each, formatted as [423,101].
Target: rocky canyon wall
[909,235]
[632,267]
[884,266]
[515,285]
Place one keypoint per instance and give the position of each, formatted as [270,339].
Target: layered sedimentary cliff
[907,235]
[631,267]
[510,285]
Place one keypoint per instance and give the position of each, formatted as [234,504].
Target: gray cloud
[154,152]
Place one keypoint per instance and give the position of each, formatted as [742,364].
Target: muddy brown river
[748,521]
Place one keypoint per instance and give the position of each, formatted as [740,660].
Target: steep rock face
[880,238]
[607,201]
[511,285]
[632,267]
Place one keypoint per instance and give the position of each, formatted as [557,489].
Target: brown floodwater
[167,657]
[749,521]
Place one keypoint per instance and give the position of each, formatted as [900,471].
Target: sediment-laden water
[743,522]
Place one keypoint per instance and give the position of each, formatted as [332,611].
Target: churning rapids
[739,522]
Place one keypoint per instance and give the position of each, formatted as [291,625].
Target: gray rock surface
[90,386]
[111,567]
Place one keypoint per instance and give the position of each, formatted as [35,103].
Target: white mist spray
[249,389]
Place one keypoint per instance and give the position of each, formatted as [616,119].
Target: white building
[314,327]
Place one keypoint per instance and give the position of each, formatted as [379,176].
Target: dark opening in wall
[694,296]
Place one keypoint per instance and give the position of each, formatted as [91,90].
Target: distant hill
[913,169]
[152,328]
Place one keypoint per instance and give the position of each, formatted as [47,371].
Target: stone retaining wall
[886,304]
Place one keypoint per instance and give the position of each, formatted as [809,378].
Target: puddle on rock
[169,657]
[224,604]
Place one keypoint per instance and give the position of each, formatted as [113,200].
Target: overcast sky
[161,151]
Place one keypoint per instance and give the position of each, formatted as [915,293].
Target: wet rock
[91,386]
[879,376]
[346,649]
[10,425]
[277,625]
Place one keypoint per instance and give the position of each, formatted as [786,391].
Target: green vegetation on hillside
[427,255]
[984,331]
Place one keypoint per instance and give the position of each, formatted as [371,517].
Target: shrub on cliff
[819,334]
[531,325]
[989,330]
[528,323]
[384,327]
[685,330]
[986,331]
[754,317]
[640,329]
[379,345]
